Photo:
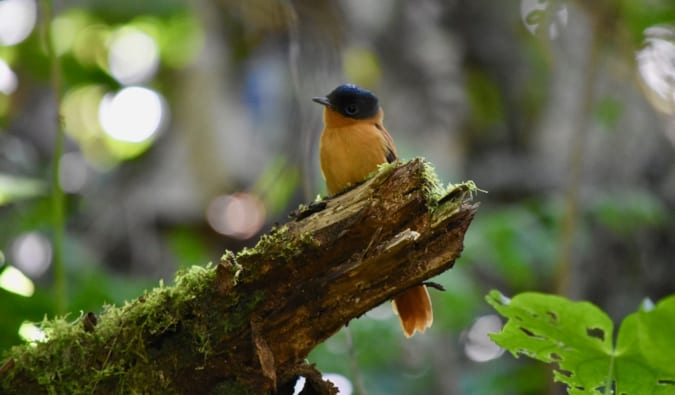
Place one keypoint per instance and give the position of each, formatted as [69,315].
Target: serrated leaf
[578,337]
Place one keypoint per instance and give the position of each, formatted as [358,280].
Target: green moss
[74,361]
[242,312]
[276,245]
[302,207]
[387,167]
[229,260]
[451,201]
[433,189]
[432,186]
[307,239]
[194,282]
[444,201]
[267,242]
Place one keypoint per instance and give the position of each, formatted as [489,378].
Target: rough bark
[247,324]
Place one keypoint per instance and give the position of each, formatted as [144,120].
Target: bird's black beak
[322,100]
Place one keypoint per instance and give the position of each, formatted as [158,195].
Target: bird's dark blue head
[351,101]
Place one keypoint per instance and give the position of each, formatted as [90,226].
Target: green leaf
[578,337]
[644,351]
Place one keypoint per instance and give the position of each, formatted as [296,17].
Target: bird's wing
[389,147]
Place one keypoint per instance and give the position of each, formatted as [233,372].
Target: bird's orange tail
[413,308]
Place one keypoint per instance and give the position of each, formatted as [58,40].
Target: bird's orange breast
[349,150]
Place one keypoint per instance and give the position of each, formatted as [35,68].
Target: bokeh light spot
[133,56]
[73,172]
[66,27]
[80,108]
[89,46]
[12,280]
[341,382]
[30,332]
[133,115]
[478,346]
[299,385]
[240,215]
[32,253]
[8,79]
[656,66]
[17,20]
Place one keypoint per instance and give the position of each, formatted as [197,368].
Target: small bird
[353,143]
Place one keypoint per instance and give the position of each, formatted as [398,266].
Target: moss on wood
[246,324]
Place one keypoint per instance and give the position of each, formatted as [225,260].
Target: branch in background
[57,198]
[247,325]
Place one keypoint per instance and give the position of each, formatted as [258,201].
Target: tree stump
[247,324]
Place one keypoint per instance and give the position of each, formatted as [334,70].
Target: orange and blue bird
[353,144]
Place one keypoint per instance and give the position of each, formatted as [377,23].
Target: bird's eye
[351,109]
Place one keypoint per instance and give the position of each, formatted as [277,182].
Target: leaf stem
[565,273]
[356,375]
[610,374]
[57,196]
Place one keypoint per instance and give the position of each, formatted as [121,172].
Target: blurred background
[189,130]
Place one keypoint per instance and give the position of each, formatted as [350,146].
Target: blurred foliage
[627,211]
[91,290]
[484,90]
[637,15]
[16,188]
[608,112]
[187,247]
[485,99]
[276,184]
[518,243]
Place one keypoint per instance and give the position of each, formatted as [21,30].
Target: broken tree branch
[247,325]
